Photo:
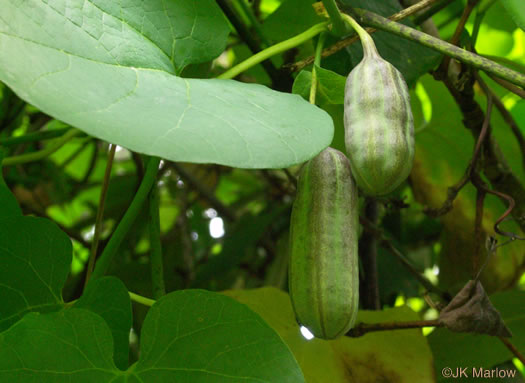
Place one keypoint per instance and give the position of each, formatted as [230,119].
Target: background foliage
[143,76]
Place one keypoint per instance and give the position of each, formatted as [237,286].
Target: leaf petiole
[275,49]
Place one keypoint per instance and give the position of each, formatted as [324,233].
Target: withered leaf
[471,311]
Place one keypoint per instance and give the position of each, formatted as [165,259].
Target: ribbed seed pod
[323,271]
[379,127]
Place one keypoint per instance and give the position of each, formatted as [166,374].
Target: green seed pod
[379,127]
[323,271]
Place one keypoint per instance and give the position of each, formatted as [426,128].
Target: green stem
[124,225]
[100,212]
[157,269]
[369,47]
[50,149]
[140,299]
[275,49]
[317,63]
[339,26]
[34,137]
[441,46]
[254,22]
[484,6]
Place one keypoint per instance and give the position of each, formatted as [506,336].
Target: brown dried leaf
[471,311]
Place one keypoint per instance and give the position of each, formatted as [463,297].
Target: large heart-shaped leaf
[94,65]
[188,336]
[35,257]
[516,9]
[109,298]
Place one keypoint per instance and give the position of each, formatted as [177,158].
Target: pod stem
[369,47]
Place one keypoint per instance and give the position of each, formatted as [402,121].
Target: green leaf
[71,345]
[109,298]
[470,350]
[35,256]
[330,89]
[108,79]
[331,86]
[291,18]
[302,84]
[9,205]
[374,357]
[516,9]
[188,336]
[208,337]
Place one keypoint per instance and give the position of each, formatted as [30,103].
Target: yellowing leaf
[393,356]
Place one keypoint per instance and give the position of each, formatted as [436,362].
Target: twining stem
[100,212]
[157,269]
[457,33]
[338,23]
[275,49]
[441,46]
[140,299]
[124,225]
[34,137]
[478,233]
[352,39]
[369,286]
[41,154]
[318,50]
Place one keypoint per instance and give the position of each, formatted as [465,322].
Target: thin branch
[100,212]
[387,244]
[350,40]
[508,85]
[513,349]
[362,328]
[507,117]
[423,16]
[459,30]
[452,193]
[369,286]
[441,46]
[478,233]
